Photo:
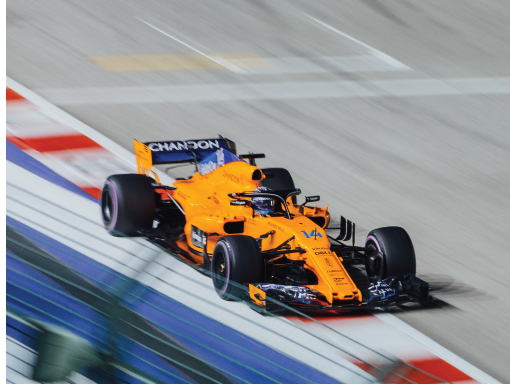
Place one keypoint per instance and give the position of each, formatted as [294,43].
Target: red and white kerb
[61,148]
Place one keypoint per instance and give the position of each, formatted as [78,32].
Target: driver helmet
[262,205]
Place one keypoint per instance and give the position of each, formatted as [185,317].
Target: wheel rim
[371,249]
[107,205]
[220,270]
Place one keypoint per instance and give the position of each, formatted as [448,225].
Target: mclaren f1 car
[243,226]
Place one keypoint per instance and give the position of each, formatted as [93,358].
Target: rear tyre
[282,180]
[128,204]
[236,261]
[397,251]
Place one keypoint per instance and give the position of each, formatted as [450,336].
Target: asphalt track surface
[412,129]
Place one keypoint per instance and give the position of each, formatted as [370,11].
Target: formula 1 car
[242,225]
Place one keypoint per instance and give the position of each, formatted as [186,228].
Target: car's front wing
[391,291]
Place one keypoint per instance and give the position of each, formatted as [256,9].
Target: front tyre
[397,251]
[236,261]
[128,204]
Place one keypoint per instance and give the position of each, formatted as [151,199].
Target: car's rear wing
[187,151]
[171,152]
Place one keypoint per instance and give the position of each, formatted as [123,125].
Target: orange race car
[242,225]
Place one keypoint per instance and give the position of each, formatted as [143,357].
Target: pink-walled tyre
[396,247]
[128,204]
[236,261]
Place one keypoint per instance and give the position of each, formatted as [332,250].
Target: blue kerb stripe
[213,349]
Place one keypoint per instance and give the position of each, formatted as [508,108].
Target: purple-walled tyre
[128,204]
[397,251]
[236,261]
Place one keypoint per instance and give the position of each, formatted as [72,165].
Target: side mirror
[310,199]
[252,157]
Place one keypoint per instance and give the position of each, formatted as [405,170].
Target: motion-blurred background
[395,112]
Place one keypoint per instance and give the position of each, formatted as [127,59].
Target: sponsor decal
[323,253]
[213,198]
[312,198]
[319,248]
[239,202]
[328,262]
[183,195]
[381,289]
[271,224]
[170,146]
[312,234]
[338,279]
[198,238]
[333,270]
[232,177]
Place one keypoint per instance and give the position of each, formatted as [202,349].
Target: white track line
[218,60]
[375,52]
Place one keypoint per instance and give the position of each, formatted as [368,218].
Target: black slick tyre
[128,204]
[396,247]
[236,261]
[282,180]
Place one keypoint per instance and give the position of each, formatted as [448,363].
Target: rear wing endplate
[144,159]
